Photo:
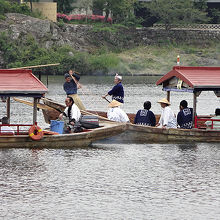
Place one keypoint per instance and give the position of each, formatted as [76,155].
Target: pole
[194,108]
[168,96]
[8,109]
[35,111]
[37,66]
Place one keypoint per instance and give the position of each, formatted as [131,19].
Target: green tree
[176,12]
[65,6]
[119,10]
[86,5]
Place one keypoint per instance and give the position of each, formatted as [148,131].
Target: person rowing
[70,87]
[117,92]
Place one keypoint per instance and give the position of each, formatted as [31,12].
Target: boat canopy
[20,82]
[191,79]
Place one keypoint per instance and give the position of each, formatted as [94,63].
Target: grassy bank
[159,59]
[151,59]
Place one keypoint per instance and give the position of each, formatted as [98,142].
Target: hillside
[98,49]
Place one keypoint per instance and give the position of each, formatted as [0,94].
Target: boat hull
[146,134]
[82,139]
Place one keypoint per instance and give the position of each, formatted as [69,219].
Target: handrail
[204,119]
[17,130]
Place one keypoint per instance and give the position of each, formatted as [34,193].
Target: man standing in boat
[117,91]
[70,87]
[185,116]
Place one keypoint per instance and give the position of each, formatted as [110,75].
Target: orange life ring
[35,133]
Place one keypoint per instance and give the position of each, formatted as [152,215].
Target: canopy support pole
[8,109]
[35,111]
[168,95]
[194,108]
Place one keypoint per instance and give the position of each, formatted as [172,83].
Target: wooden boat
[179,79]
[23,83]
[82,139]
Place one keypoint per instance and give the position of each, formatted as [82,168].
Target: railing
[18,129]
[198,125]
[190,26]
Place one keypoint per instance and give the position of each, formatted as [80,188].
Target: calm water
[109,181]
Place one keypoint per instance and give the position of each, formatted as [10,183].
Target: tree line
[163,11]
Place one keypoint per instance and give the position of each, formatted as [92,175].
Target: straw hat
[165,101]
[114,103]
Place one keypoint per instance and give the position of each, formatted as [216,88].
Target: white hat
[118,77]
[165,101]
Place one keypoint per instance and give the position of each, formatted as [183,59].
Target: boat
[179,79]
[22,83]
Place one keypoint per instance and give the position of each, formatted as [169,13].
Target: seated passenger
[115,113]
[145,116]
[216,124]
[167,118]
[5,128]
[71,111]
[185,116]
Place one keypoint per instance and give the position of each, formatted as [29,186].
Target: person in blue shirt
[70,87]
[117,91]
[145,116]
[185,116]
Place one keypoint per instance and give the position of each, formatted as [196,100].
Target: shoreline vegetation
[141,60]
[101,57]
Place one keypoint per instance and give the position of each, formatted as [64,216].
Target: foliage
[65,6]
[176,12]
[14,7]
[214,15]
[90,18]
[121,11]
[27,52]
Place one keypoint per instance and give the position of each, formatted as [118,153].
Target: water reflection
[111,181]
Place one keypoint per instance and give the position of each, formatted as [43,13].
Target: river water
[111,181]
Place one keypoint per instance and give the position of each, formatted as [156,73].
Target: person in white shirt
[5,128]
[115,113]
[167,118]
[216,124]
[71,111]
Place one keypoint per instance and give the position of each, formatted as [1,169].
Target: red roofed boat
[22,83]
[179,79]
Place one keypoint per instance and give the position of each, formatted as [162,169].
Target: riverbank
[99,50]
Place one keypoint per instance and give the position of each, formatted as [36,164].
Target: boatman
[70,87]
[117,91]
[185,116]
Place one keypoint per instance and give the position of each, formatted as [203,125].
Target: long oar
[100,117]
[39,105]
[38,66]
[106,99]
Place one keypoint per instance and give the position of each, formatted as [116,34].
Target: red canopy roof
[20,82]
[196,77]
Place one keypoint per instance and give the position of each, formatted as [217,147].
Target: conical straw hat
[164,101]
[114,103]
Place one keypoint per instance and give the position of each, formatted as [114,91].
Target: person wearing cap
[145,116]
[117,91]
[115,113]
[70,87]
[216,124]
[167,118]
[185,116]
